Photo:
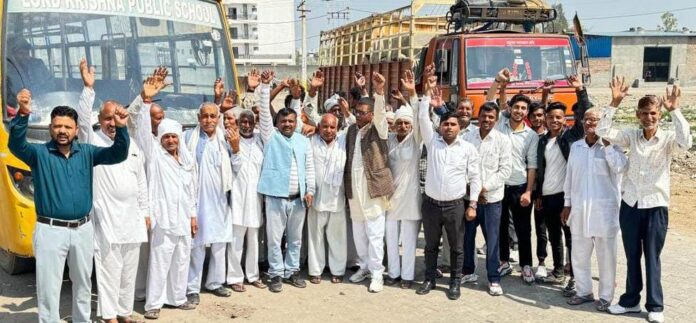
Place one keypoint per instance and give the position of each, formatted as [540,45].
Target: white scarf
[218,139]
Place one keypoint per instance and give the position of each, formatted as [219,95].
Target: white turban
[405,112]
[331,102]
[169,126]
[390,115]
[237,111]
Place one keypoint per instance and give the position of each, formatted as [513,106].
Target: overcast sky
[586,9]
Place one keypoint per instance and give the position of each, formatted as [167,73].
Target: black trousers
[449,215]
[550,213]
[643,232]
[521,218]
[542,237]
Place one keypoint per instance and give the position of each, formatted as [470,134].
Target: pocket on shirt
[600,166]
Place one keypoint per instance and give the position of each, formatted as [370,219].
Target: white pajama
[216,268]
[407,230]
[332,227]
[167,274]
[235,274]
[369,243]
[581,254]
[141,277]
[116,267]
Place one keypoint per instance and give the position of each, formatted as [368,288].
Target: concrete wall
[627,56]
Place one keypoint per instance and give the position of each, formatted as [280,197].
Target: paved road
[352,303]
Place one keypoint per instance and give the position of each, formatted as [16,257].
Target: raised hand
[360,80]
[233,139]
[345,107]
[154,83]
[253,79]
[267,76]
[295,89]
[436,100]
[409,83]
[87,72]
[396,95]
[218,89]
[619,90]
[378,83]
[24,102]
[121,117]
[229,101]
[503,76]
[317,80]
[575,82]
[430,78]
[671,99]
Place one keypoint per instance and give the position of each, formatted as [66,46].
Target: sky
[593,14]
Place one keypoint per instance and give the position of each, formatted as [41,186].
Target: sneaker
[541,272]
[527,274]
[359,276]
[656,317]
[376,285]
[295,280]
[494,289]
[505,269]
[471,278]
[194,299]
[482,250]
[514,255]
[152,314]
[276,284]
[391,281]
[602,305]
[221,292]
[556,277]
[618,309]
[569,289]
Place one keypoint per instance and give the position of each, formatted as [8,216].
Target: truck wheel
[13,264]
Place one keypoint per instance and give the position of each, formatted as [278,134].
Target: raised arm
[118,151]
[139,121]
[619,90]
[584,104]
[266,127]
[18,144]
[409,84]
[311,104]
[380,116]
[425,125]
[84,108]
[682,131]
[616,159]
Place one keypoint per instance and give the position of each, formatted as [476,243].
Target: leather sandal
[315,279]
[239,288]
[258,284]
[336,279]
[152,314]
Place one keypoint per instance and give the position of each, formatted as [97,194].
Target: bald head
[328,127]
[107,117]
[156,116]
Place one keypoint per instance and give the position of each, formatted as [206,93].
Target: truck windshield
[530,61]
[125,40]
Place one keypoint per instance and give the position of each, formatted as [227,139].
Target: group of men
[160,196]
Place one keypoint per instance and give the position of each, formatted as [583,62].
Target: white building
[263,31]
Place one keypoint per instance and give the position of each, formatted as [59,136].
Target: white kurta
[246,165]
[592,189]
[329,162]
[404,158]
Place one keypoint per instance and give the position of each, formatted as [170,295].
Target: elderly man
[368,182]
[207,144]
[643,216]
[453,165]
[404,218]
[120,214]
[591,208]
[494,149]
[287,181]
[172,183]
[62,170]
[247,159]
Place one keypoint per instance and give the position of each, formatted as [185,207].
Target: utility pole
[303,16]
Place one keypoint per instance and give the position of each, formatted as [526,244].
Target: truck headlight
[22,181]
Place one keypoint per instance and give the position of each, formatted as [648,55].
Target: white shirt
[172,183]
[494,151]
[404,158]
[121,201]
[362,206]
[246,165]
[647,181]
[469,129]
[329,164]
[524,150]
[450,167]
[592,189]
[555,168]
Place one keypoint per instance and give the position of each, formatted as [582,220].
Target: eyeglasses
[359,113]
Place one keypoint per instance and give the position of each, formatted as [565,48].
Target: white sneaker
[359,276]
[541,272]
[618,309]
[494,289]
[514,256]
[376,285]
[656,317]
[471,278]
[527,274]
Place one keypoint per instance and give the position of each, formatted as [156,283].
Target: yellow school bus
[41,47]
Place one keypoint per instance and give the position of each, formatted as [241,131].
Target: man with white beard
[207,145]
[172,186]
[120,216]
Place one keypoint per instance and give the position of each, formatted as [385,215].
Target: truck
[468,41]
[42,45]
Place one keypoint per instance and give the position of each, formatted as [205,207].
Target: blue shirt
[63,186]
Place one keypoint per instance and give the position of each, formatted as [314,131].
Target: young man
[644,209]
[368,183]
[287,181]
[453,165]
[494,151]
[121,217]
[591,210]
[517,199]
[62,170]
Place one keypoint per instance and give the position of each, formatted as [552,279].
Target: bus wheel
[13,264]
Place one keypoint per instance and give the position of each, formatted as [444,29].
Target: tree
[669,21]
[561,22]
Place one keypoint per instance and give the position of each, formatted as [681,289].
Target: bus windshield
[530,61]
[125,40]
